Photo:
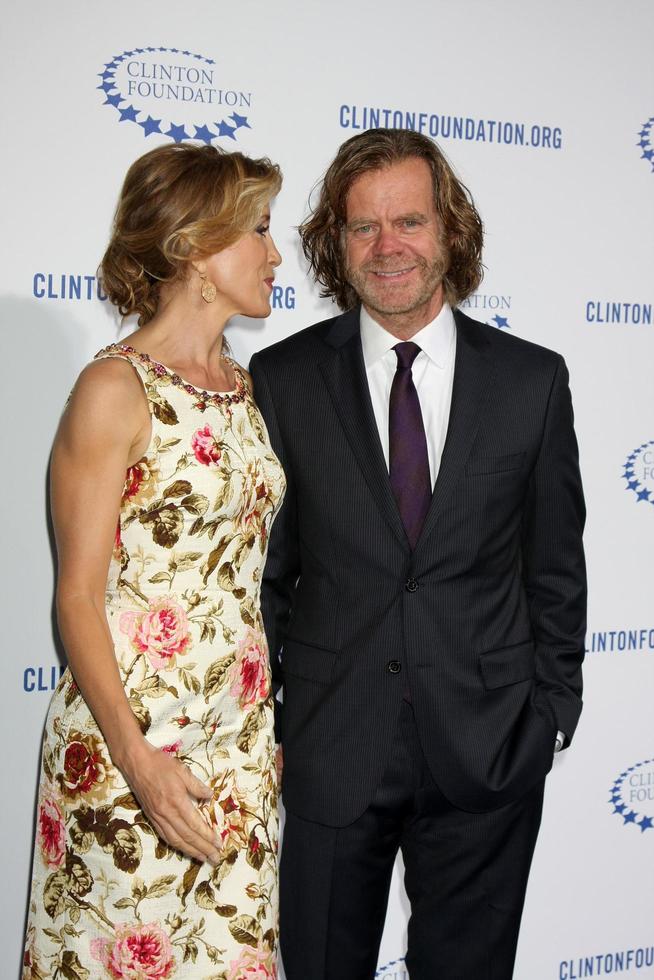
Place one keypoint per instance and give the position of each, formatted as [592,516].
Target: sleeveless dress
[109,898]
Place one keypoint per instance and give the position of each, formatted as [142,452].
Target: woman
[156,826]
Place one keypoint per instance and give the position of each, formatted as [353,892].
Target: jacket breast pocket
[478,465]
[508,665]
[308,662]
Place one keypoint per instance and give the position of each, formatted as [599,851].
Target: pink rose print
[207,450]
[256,501]
[86,772]
[137,953]
[227,812]
[173,748]
[51,832]
[140,482]
[253,964]
[161,633]
[250,680]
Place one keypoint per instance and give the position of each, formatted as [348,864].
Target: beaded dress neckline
[236,395]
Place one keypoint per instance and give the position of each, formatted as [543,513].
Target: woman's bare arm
[105,429]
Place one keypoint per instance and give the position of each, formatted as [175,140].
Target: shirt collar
[436,339]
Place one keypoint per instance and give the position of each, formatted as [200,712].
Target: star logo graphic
[638,473]
[645,143]
[150,126]
[136,94]
[619,805]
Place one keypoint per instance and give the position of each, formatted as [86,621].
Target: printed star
[107,74]
[643,143]
[648,154]
[620,808]
[646,824]
[163,49]
[120,57]
[210,61]
[633,485]
[644,132]
[128,54]
[630,817]
[129,113]
[150,125]
[107,86]
[139,50]
[186,52]
[501,321]
[198,56]
[114,100]
[203,132]
[240,120]
[643,494]
[175,50]
[225,130]
[150,49]
[177,133]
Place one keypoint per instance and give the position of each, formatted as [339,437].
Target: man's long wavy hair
[322,234]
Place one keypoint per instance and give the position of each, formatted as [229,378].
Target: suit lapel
[345,376]
[473,377]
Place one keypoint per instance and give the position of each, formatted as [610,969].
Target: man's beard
[380,300]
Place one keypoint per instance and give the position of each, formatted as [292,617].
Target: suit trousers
[465,877]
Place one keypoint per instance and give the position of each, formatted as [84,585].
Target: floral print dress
[110,899]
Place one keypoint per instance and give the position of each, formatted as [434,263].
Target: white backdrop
[547,112]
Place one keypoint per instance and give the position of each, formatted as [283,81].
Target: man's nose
[387,242]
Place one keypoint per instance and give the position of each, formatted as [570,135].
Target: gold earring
[208,289]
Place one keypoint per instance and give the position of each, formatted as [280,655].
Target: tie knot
[406,352]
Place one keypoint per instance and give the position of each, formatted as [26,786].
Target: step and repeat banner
[546,110]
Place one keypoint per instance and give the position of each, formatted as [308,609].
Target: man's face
[394,256]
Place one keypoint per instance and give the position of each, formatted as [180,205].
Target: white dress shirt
[433,374]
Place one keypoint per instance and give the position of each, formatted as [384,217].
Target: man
[425,586]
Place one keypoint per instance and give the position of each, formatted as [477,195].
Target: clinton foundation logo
[492,308]
[645,142]
[603,964]
[632,796]
[638,473]
[175,93]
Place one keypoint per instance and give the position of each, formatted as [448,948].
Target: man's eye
[363,229]
[411,222]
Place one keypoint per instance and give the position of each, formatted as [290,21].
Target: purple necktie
[408,458]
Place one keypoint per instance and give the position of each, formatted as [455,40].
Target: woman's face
[244,273]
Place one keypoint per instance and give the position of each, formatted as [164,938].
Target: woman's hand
[166,788]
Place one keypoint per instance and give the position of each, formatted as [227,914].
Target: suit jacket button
[411,585]
[393,666]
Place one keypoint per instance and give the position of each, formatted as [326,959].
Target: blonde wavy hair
[178,203]
[322,233]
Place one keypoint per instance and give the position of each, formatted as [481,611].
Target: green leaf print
[204,896]
[71,968]
[54,893]
[177,489]
[195,503]
[217,675]
[253,724]
[246,930]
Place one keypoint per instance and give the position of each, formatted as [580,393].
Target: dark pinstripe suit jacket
[486,617]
